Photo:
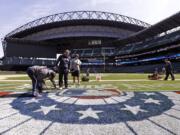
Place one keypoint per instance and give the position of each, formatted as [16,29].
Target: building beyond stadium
[106,42]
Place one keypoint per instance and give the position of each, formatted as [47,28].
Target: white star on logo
[150,100]
[133,109]
[31,101]
[89,113]
[148,93]
[46,109]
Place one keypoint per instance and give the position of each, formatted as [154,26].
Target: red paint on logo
[178,92]
[3,94]
[114,92]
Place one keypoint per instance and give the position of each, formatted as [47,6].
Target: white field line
[2,77]
[126,80]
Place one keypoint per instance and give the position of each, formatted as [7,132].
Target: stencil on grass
[81,106]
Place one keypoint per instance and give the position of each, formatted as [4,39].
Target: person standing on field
[75,68]
[63,64]
[169,70]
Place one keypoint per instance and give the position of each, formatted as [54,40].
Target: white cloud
[150,11]
[28,13]
[40,9]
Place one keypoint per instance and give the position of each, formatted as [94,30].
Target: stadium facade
[106,42]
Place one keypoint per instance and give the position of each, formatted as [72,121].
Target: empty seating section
[125,50]
[108,52]
[28,61]
[151,43]
[127,62]
[95,52]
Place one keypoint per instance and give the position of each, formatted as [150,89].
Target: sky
[14,13]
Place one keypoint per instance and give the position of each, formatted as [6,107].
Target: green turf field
[124,82]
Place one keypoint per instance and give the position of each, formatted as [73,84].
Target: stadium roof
[79,15]
[163,26]
[145,30]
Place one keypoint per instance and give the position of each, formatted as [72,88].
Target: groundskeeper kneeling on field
[38,74]
[155,75]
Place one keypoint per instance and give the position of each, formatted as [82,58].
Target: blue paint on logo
[138,107]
